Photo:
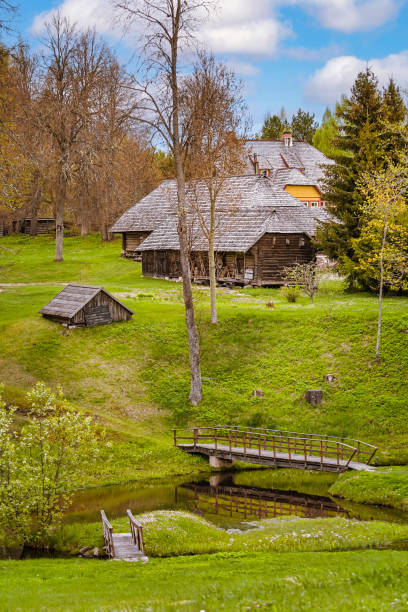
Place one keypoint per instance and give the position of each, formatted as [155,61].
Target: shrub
[290,293]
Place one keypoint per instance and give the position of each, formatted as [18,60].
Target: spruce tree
[358,148]
[272,128]
[303,126]
[326,134]
[394,124]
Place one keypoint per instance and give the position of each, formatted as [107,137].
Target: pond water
[228,499]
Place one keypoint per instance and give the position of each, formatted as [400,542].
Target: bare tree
[7,9]
[214,113]
[24,151]
[72,65]
[169,29]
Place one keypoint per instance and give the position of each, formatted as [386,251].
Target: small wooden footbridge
[124,546]
[275,448]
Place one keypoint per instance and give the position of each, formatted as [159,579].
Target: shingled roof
[238,230]
[72,298]
[275,155]
[247,207]
[248,191]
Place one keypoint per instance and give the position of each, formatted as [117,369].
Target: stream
[227,499]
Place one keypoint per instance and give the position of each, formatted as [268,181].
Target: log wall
[274,252]
[117,312]
[263,264]
[130,242]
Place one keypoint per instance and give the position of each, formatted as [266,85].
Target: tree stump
[314,396]
[330,378]
[257,393]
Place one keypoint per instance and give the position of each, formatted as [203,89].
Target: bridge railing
[364,452]
[107,535]
[268,443]
[136,530]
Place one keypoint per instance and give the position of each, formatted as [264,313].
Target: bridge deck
[125,549]
[280,459]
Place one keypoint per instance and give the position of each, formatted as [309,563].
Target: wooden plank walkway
[224,446]
[124,546]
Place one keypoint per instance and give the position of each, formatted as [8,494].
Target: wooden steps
[125,549]
[124,546]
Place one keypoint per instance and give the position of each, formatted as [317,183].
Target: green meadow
[133,378]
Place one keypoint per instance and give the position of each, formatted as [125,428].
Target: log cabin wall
[117,312]
[274,252]
[263,264]
[130,242]
[161,263]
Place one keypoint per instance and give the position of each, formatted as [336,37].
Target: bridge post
[217,462]
[195,437]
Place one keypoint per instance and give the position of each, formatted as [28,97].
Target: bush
[290,293]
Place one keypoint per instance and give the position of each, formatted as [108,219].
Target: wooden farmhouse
[265,219]
[82,305]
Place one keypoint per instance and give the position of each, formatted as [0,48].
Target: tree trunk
[380,297]
[84,228]
[213,280]
[106,235]
[194,351]
[59,217]
[35,203]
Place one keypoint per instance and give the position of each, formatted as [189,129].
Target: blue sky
[289,53]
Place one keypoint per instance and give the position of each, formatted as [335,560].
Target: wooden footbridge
[124,546]
[275,448]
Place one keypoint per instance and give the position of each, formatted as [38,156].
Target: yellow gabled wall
[304,192]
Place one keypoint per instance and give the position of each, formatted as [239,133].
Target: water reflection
[226,499]
[222,499]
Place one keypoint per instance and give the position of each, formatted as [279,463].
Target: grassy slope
[170,534]
[388,486]
[364,580]
[134,376]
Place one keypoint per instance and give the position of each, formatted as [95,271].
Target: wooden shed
[84,305]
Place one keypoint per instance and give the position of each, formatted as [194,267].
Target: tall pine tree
[359,147]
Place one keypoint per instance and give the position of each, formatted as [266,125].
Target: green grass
[337,582]
[134,377]
[172,533]
[386,486]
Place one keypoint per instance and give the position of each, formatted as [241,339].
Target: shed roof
[72,298]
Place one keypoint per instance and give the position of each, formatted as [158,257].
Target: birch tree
[382,248]
[215,124]
[169,27]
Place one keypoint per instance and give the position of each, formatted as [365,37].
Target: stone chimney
[287,139]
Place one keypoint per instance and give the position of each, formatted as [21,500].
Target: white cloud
[252,38]
[253,27]
[338,75]
[97,14]
[352,15]
[243,68]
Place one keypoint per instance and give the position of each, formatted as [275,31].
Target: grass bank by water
[172,533]
[385,486]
